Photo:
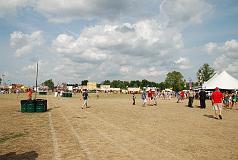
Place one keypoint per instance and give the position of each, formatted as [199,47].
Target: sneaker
[215,117]
[220,116]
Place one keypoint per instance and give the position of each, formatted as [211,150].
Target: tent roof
[222,81]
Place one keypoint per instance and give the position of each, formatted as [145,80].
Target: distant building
[105,88]
[91,85]
[133,90]
[115,90]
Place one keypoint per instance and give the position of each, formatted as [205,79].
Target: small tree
[106,82]
[0,80]
[205,73]
[49,83]
[84,82]
[174,80]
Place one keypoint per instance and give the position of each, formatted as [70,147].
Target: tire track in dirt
[125,135]
[119,137]
[111,139]
[80,141]
[56,154]
[121,141]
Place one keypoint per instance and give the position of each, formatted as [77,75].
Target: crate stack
[37,105]
[67,94]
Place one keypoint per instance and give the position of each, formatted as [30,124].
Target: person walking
[217,98]
[133,99]
[180,96]
[155,98]
[190,98]
[150,97]
[143,98]
[202,98]
[85,99]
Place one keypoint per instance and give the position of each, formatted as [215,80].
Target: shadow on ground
[32,155]
[209,116]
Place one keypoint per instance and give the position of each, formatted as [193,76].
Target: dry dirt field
[114,129]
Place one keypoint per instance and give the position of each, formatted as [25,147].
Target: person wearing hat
[217,98]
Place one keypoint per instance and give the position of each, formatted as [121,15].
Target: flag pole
[36,77]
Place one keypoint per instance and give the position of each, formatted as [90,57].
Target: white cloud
[61,11]
[127,50]
[11,6]
[144,38]
[182,12]
[150,72]
[124,69]
[183,63]
[210,47]
[227,55]
[25,43]
[141,48]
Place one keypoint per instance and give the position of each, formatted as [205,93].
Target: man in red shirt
[181,96]
[150,96]
[217,98]
[29,94]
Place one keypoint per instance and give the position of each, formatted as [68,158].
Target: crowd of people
[150,97]
[219,99]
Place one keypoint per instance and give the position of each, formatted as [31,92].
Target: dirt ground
[112,128]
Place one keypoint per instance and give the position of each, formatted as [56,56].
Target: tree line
[174,80]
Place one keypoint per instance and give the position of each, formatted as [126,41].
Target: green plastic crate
[42,93]
[31,107]
[27,106]
[67,94]
[41,105]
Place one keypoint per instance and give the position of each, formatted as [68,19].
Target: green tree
[84,82]
[133,84]
[122,85]
[106,82]
[126,84]
[0,80]
[145,83]
[174,80]
[115,84]
[162,85]
[98,85]
[205,73]
[49,83]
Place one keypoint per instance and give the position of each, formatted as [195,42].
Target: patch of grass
[11,136]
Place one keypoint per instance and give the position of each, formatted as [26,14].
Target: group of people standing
[230,100]
[218,99]
[149,97]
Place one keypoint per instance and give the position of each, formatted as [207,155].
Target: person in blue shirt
[85,99]
[143,98]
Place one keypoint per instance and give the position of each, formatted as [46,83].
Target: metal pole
[36,77]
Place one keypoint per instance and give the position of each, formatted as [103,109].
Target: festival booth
[133,90]
[223,81]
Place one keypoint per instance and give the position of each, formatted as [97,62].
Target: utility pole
[36,77]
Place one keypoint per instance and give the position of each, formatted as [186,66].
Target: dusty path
[114,129]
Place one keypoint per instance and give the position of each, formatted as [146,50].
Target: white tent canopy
[222,81]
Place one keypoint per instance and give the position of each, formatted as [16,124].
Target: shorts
[217,106]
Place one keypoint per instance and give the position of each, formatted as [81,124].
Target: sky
[98,40]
